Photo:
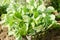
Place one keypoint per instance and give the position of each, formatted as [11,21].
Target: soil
[53,34]
[4,34]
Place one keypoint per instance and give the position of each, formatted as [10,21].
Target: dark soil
[53,34]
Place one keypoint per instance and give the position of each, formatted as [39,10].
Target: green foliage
[56,4]
[29,19]
[56,26]
[3,9]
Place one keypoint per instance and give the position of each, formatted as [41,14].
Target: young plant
[29,19]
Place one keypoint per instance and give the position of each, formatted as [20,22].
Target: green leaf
[50,9]
[32,2]
[18,15]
